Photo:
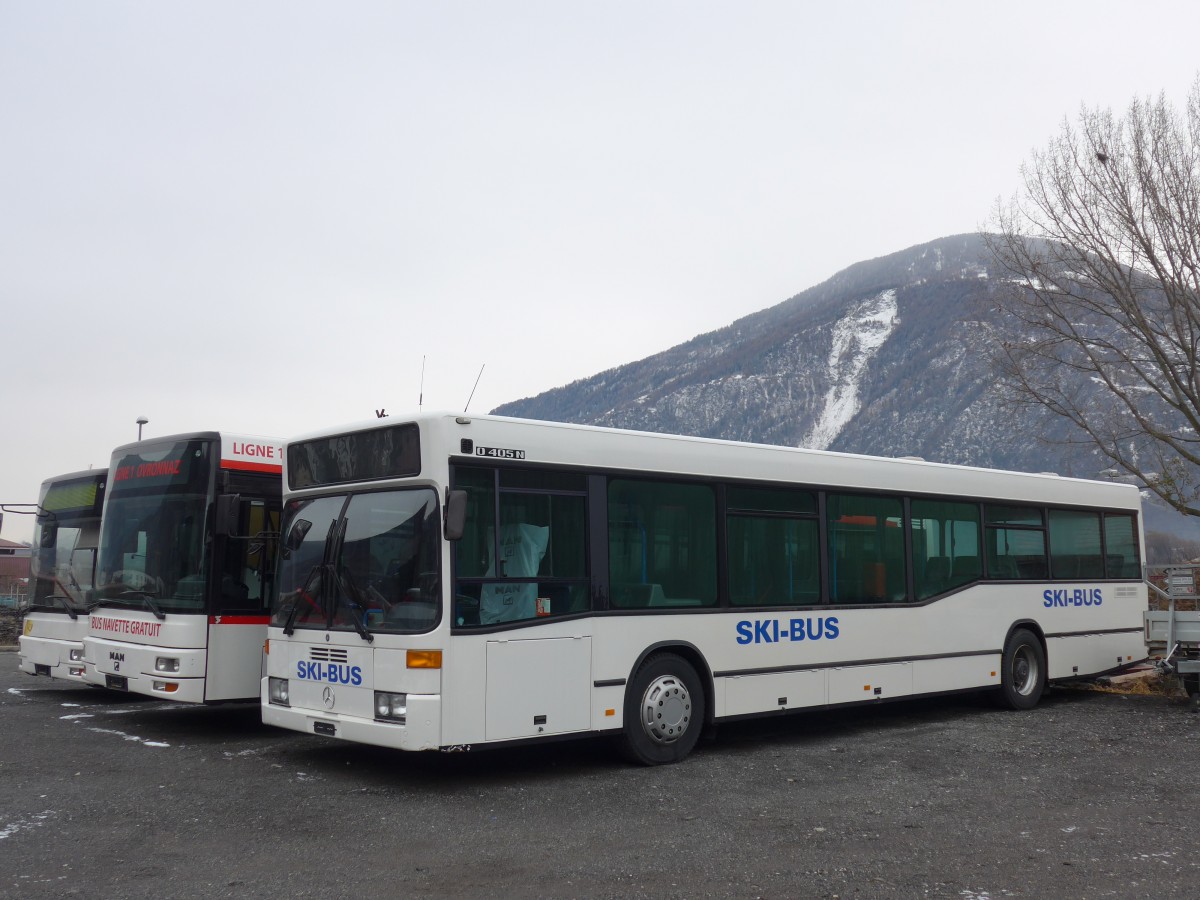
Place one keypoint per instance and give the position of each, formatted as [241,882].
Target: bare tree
[1101,251]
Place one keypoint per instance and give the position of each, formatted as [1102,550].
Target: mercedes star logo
[327,698]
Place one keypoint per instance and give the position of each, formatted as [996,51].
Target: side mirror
[296,536]
[456,514]
[225,521]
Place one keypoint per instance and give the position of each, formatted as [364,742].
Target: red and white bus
[186,567]
[62,566]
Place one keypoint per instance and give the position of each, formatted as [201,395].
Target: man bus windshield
[186,567]
[62,566]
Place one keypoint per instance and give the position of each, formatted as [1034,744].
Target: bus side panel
[235,665]
[537,687]
[748,694]
[855,684]
[956,673]
[1090,654]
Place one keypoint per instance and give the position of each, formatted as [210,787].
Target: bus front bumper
[46,656]
[421,729]
[134,668]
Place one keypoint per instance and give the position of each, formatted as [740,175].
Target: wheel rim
[1025,672]
[666,709]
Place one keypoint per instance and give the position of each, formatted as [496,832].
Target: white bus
[183,581]
[455,582]
[62,566]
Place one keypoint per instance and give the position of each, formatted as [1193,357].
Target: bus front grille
[328,654]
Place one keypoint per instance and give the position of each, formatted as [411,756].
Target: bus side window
[534,564]
[522,548]
[1016,539]
[773,546]
[945,546]
[1120,541]
[866,549]
[662,536]
[1075,545]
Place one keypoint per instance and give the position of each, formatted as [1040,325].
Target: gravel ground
[1090,795]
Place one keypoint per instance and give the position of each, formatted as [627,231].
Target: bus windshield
[63,561]
[367,563]
[152,543]
[61,569]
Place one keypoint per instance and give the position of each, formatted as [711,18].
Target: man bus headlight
[76,654]
[166,664]
[391,707]
[277,691]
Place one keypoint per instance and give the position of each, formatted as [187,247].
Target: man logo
[328,698]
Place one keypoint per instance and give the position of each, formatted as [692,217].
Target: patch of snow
[129,737]
[856,340]
[34,821]
[1034,284]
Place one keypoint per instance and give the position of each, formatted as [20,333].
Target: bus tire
[1023,672]
[664,711]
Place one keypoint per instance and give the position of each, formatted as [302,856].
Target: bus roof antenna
[477,377]
[421,389]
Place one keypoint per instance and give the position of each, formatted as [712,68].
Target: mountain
[890,357]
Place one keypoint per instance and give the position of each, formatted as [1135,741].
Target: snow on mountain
[856,340]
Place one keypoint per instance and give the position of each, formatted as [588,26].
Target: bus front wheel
[664,711]
[1023,676]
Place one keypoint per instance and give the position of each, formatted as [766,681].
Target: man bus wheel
[664,711]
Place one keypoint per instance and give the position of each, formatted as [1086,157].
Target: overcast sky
[263,217]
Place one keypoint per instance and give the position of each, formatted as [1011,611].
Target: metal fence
[15,597]
[1175,586]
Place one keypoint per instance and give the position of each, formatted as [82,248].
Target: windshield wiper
[123,599]
[289,626]
[147,597]
[65,601]
[354,604]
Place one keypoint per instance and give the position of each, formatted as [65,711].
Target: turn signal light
[424,659]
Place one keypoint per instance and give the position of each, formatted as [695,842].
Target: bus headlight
[166,664]
[277,691]
[76,654]
[392,707]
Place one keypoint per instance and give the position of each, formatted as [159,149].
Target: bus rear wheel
[1023,672]
[664,711]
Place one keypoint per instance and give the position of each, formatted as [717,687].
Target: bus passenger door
[243,576]
[537,687]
